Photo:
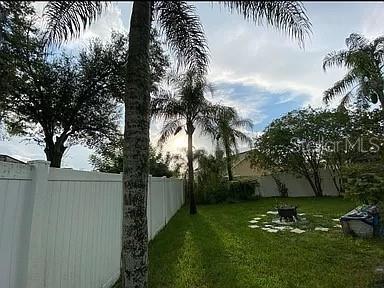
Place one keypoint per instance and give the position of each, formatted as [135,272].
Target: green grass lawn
[216,248]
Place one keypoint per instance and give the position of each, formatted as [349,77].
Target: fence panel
[297,185]
[62,228]
[15,218]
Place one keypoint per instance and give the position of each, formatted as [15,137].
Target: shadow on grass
[190,253]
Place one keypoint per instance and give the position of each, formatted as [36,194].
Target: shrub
[365,182]
[212,192]
[241,190]
[226,191]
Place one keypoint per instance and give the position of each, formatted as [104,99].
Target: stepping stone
[300,214]
[253,226]
[281,228]
[277,221]
[322,229]
[320,216]
[257,218]
[272,212]
[297,230]
[336,220]
[265,222]
[262,215]
[268,225]
[253,221]
[380,270]
[338,226]
[270,230]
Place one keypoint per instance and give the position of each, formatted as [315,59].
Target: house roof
[7,158]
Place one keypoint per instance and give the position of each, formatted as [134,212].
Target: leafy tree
[226,131]
[290,143]
[307,140]
[16,29]
[186,109]
[116,50]
[109,158]
[61,101]
[364,62]
[184,35]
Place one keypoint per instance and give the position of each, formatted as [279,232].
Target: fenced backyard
[217,248]
[62,227]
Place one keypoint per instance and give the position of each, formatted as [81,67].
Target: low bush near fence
[364,183]
[226,191]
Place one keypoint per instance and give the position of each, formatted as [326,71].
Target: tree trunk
[134,253]
[54,153]
[319,189]
[315,183]
[229,162]
[192,200]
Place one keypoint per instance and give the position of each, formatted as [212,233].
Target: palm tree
[184,34]
[186,109]
[364,79]
[226,131]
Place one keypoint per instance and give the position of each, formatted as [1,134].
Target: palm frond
[287,16]
[165,106]
[243,123]
[345,100]
[169,129]
[184,33]
[356,41]
[335,58]
[242,137]
[66,19]
[340,86]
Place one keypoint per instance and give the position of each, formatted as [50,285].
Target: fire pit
[288,213]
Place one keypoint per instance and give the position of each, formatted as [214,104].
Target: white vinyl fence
[297,185]
[61,228]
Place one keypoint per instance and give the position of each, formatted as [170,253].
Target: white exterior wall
[297,185]
[62,228]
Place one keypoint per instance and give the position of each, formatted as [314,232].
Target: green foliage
[109,158]
[305,141]
[290,143]
[16,36]
[69,18]
[226,130]
[364,79]
[241,190]
[61,100]
[364,183]
[116,51]
[212,187]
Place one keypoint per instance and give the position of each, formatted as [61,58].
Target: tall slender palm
[186,109]
[227,132]
[184,34]
[364,79]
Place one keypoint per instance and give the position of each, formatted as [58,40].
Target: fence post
[149,214]
[165,199]
[39,222]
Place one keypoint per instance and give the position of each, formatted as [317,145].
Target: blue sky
[258,70]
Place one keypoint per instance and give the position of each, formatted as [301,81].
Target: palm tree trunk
[134,254]
[192,200]
[229,162]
